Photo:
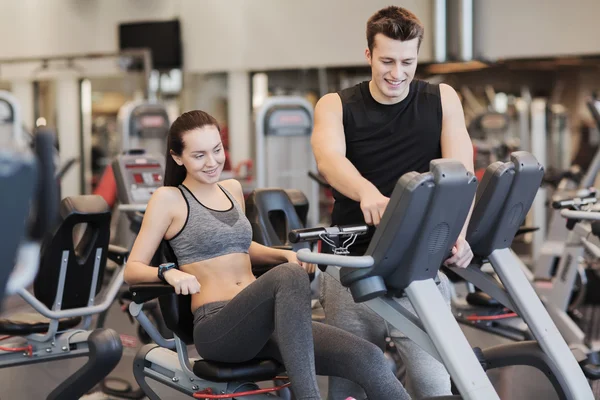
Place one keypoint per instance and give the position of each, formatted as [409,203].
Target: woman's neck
[199,187]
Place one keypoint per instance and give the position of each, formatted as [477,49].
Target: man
[365,138]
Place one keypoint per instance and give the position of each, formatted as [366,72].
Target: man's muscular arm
[329,147]
[456,144]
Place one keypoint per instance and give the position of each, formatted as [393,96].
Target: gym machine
[398,263]
[144,128]
[64,270]
[11,131]
[283,126]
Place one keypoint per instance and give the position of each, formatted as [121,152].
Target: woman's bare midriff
[221,278]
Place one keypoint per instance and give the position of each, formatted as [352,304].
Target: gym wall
[217,35]
[536,28]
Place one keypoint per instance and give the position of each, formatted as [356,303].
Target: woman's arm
[260,254]
[157,220]
[155,224]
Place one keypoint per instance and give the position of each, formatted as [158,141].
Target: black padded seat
[253,370]
[22,324]
[596,228]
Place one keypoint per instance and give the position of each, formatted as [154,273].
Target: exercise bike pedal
[482,300]
[591,366]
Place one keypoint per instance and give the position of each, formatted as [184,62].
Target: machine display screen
[288,122]
[141,175]
[287,119]
[151,121]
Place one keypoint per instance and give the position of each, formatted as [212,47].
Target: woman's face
[203,156]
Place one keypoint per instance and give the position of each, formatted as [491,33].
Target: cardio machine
[559,292]
[283,126]
[27,180]
[559,275]
[143,129]
[503,198]
[144,125]
[11,131]
[66,271]
[573,184]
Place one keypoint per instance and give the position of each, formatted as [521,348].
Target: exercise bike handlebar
[574,202]
[132,207]
[314,234]
[47,201]
[581,215]
[305,255]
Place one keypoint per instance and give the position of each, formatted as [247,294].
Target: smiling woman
[202,219]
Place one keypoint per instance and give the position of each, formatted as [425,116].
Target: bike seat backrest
[420,225]
[176,309]
[503,200]
[300,203]
[273,215]
[78,249]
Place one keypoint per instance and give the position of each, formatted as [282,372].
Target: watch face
[164,267]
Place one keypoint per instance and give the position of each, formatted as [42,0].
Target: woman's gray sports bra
[209,233]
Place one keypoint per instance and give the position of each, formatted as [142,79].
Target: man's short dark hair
[396,23]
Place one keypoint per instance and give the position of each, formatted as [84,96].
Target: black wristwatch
[162,268]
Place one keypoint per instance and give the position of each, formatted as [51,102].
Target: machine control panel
[137,177]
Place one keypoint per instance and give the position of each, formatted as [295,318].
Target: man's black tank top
[384,142]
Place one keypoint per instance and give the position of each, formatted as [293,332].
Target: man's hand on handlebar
[461,254]
[183,282]
[291,257]
[373,204]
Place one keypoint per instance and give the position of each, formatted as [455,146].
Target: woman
[236,316]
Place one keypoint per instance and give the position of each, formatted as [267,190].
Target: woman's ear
[176,158]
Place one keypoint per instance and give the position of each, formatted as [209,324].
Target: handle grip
[314,234]
[560,204]
[305,235]
[47,197]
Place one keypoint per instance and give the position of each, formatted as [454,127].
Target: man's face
[393,65]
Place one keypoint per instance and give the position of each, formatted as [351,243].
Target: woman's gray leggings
[271,318]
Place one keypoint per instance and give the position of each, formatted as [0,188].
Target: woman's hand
[183,282]
[292,257]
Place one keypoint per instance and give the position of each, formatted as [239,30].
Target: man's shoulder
[352,93]
[427,88]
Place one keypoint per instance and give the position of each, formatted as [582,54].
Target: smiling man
[365,138]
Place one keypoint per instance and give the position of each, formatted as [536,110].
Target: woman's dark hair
[175,174]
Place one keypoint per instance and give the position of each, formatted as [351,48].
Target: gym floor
[36,381]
